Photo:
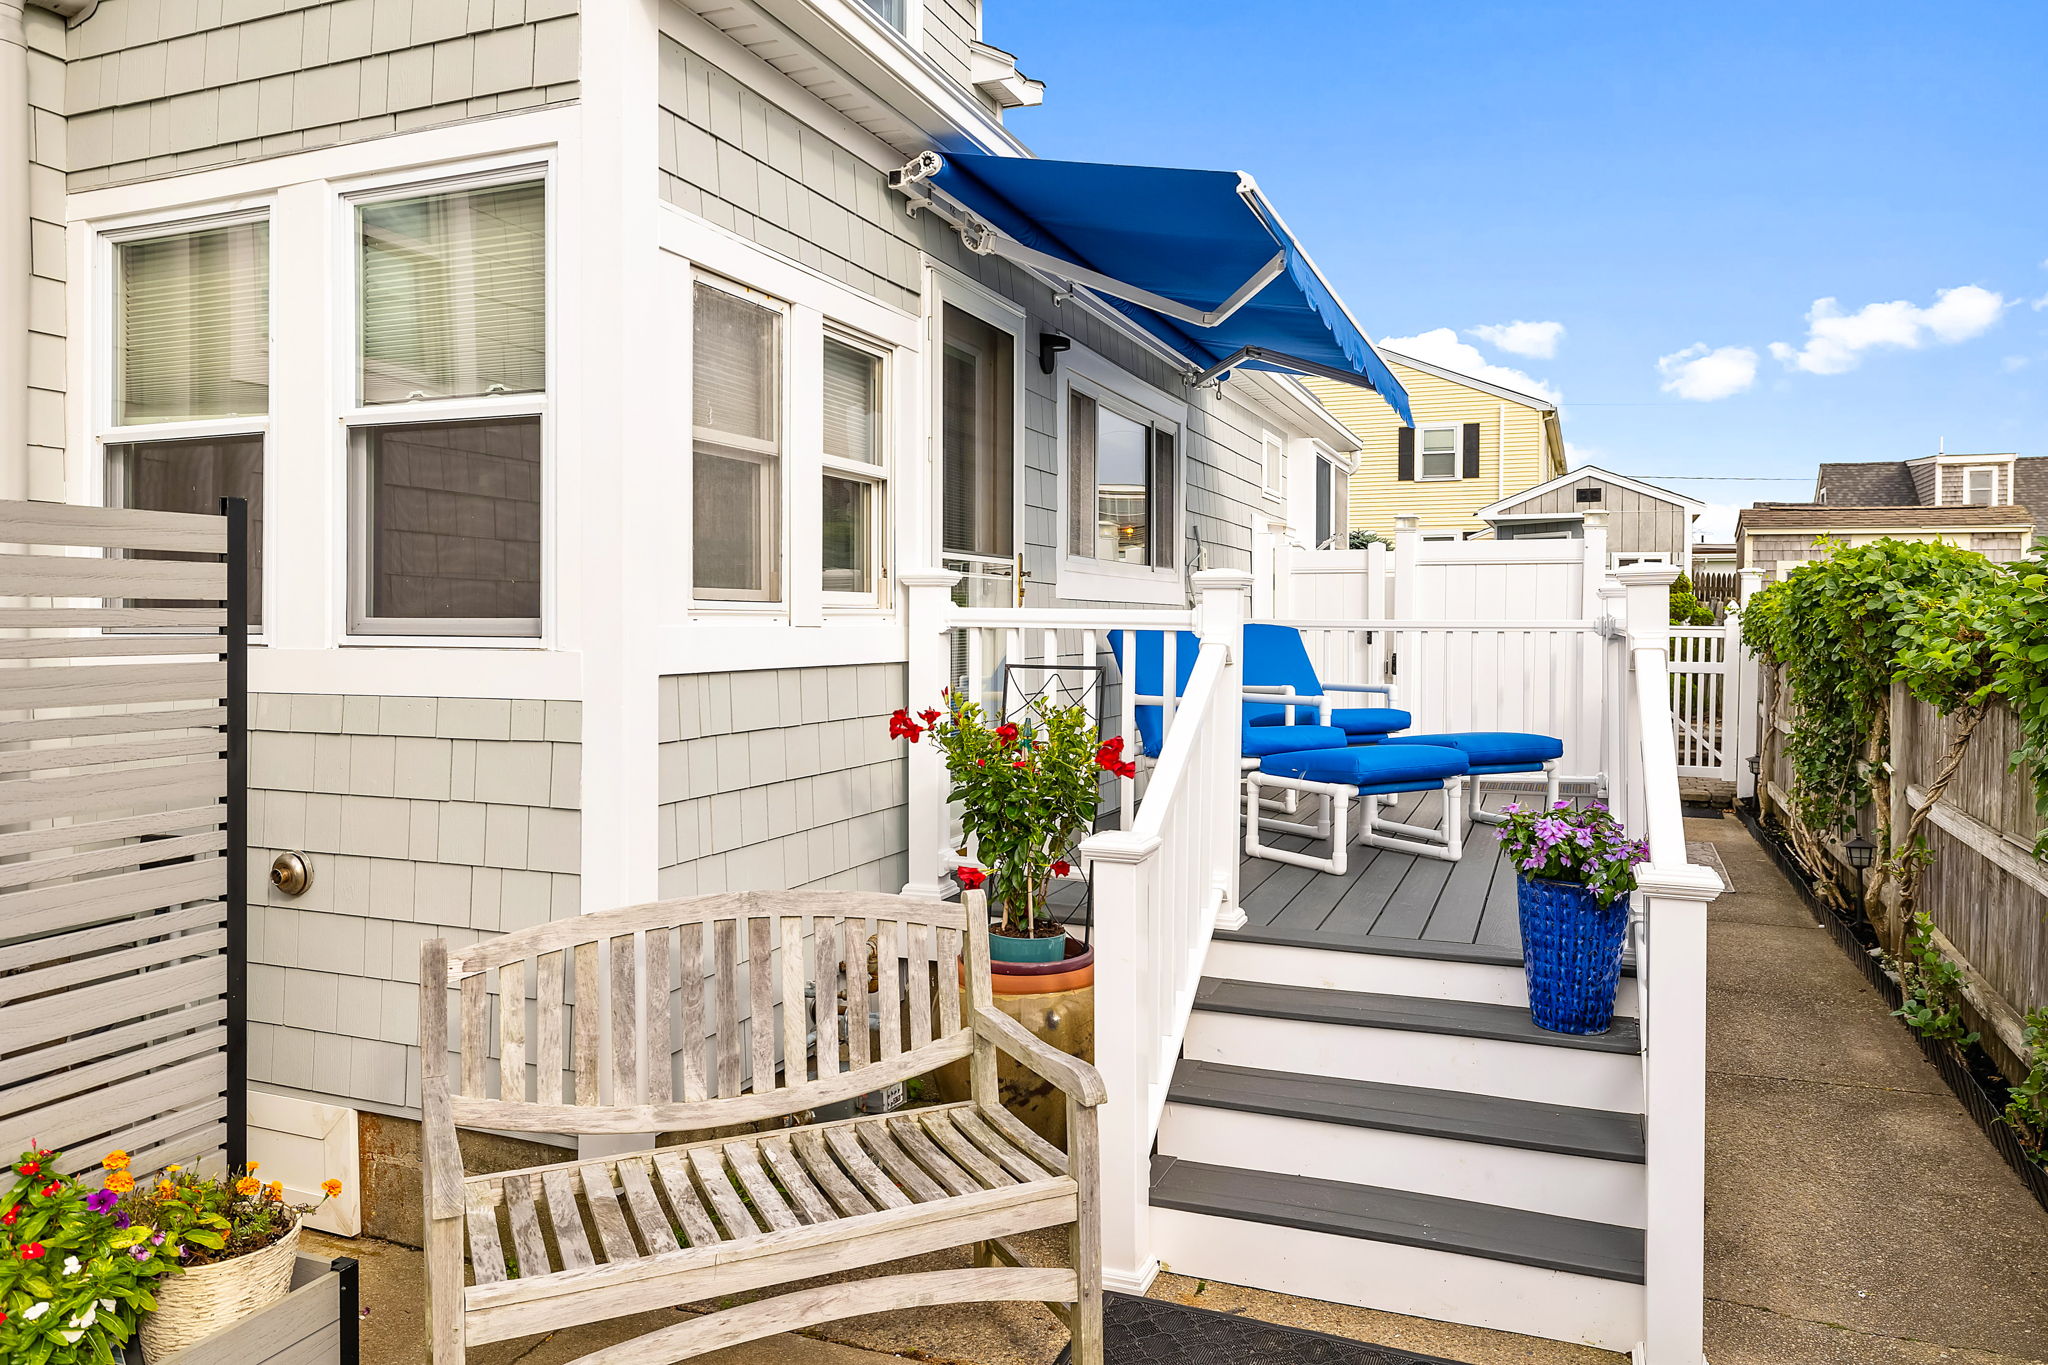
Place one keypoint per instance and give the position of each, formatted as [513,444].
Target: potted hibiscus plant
[1575,868]
[1027,793]
[74,1272]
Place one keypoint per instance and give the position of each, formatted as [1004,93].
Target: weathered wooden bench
[723,1012]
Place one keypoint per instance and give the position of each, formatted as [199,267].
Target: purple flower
[157,1240]
[1562,805]
[1511,808]
[121,1220]
[140,1253]
[99,1201]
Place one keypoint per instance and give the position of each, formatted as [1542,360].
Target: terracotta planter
[212,1298]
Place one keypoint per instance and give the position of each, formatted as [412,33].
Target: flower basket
[209,1298]
[1571,954]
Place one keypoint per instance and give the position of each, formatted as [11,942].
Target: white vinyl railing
[1161,881]
[1670,931]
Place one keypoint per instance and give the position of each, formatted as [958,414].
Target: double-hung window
[1980,487]
[1437,453]
[1333,503]
[854,471]
[1273,464]
[736,387]
[191,382]
[446,434]
[1121,481]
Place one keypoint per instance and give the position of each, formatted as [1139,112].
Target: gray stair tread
[1383,945]
[1408,1013]
[1597,1133]
[1401,1217]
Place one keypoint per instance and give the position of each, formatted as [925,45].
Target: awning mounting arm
[984,240]
[1216,373]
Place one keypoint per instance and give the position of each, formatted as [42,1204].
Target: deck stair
[1374,1120]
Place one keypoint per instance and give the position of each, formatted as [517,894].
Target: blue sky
[1666,184]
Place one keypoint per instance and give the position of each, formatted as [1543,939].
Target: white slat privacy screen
[453,294]
[123,859]
[195,325]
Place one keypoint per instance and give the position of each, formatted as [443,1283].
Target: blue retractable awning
[1196,258]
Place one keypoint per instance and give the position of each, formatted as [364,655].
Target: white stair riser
[1437,1061]
[1415,1281]
[1383,974]
[1514,1177]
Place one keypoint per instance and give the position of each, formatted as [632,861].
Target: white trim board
[303,1143]
[1456,377]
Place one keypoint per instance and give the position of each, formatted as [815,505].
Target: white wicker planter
[212,1298]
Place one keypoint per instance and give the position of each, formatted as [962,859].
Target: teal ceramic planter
[1003,948]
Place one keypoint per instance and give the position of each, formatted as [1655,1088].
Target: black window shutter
[1404,445]
[1471,450]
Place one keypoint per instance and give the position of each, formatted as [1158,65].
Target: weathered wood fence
[122,832]
[1984,889]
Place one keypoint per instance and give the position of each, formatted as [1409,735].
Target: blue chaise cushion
[1371,767]
[1260,740]
[1492,750]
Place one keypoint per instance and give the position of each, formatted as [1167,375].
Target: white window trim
[100,387]
[1340,505]
[1972,471]
[1273,464]
[1457,453]
[876,476]
[946,287]
[1083,579]
[357,626]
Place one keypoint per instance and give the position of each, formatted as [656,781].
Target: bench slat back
[714,1010]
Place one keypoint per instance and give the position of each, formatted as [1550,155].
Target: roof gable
[1469,381]
[1507,505]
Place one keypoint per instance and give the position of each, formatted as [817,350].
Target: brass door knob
[291,874]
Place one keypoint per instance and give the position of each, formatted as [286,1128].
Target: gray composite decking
[1390,897]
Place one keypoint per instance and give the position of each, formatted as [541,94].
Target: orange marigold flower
[248,1185]
[165,1189]
[253,1167]
[120,1182]
[331,1188]
[274,1191]
[115,1161]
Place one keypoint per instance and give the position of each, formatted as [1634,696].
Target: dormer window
[1980,487]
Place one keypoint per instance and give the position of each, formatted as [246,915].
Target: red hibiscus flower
[929,715]
[970,877]
[32,1252]
[1062,868]
[901,726]
[1007,734]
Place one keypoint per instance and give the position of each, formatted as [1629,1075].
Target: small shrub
[2026,1106]
[1932,986]
[1362,538]
[1686,607]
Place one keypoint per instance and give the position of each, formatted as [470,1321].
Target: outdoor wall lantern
[1050,344]
[1861,851]
[1755,765]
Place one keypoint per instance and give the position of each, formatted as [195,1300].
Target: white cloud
[1576,455]
[1716,523]
[2013,364]
[1440,346]
[1537,340]
[1836,341]
[1703,373]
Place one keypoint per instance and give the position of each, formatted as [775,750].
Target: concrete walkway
[1854,1213]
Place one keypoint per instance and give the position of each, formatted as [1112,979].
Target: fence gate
[123,859]
[1702,715]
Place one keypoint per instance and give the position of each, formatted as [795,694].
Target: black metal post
[350,1308]
[236,510]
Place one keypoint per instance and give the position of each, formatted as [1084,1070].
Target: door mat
[1139,1331]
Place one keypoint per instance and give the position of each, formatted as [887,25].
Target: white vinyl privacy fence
[122,832]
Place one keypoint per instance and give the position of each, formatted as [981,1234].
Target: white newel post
[1594,565]
[1646,611]
[1748,701]
[1219,619]
[1407,546]
[1121,869]
[927,598]
[1614,681]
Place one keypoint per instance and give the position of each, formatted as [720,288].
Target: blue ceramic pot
[1571,954]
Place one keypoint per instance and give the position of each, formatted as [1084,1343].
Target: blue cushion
[1369,767]
[1493,750]
[1151,661]
[1352,720]
[1260,740]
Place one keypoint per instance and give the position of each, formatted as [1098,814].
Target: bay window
[736,387]
[190,391]
[447,431]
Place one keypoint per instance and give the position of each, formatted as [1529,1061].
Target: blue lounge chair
[1322,761]
[1496,753]
[1276,663]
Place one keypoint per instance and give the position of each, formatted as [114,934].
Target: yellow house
[1473,443]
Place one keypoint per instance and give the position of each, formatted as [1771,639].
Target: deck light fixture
[1755,765]
[1861,851]
[1050,344]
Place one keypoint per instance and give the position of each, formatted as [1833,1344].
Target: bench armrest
[442,1154]
[1073,1076]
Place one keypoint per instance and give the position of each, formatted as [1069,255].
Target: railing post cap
[1595,517]
[928,578]
[1119,846]
[1222,578]
[1647,575]
[1749,571]
[1679,881]
[1407,521]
